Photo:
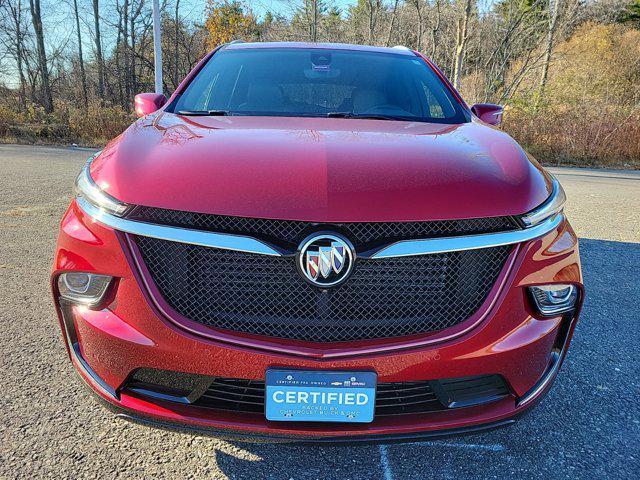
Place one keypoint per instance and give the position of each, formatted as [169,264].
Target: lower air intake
[247,396]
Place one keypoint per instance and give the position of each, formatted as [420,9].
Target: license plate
[320,396]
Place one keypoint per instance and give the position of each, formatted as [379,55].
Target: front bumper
[107,345]
[254,437]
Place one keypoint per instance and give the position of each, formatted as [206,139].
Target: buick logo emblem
[325,260]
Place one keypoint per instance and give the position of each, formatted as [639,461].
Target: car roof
[309,45]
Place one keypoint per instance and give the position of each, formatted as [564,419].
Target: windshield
[319,83]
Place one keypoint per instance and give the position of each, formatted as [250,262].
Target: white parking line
[386,465]
[384,459]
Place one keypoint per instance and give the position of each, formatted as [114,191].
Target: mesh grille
[363,235]
[266,295]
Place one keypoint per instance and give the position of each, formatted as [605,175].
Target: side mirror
[146,103]
[488,113]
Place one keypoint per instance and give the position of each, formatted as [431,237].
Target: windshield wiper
[205,113]
[365,116]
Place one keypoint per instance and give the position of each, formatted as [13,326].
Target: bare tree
[176,41]
[462,37]
[45,85]
[133,23]
[419,7]
[98,41]
[392,22]
[124,25]
[83,76]
[435,28]
[551,30]
[373,8]
[314,21]
[307,15]
[14,33]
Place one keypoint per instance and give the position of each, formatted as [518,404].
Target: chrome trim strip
[90,372]
[407,248]
[557,354]
[236,243]
[551,206]
[76,355]
[542,384]
[240,243]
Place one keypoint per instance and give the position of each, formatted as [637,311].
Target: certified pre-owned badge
[326,260]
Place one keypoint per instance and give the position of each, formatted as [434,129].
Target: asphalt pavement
[51,427]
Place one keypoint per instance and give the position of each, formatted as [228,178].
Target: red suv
[317,242]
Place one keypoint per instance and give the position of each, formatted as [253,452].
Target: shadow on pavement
[587,426]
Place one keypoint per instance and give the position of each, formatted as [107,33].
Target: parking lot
[588,425]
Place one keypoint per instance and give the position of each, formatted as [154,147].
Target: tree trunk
[36,17]
[99,57]
[553,20]
[462,37]
[392,23]
[23,80]
[420,27]
[132,34]
[16,16]
[126,53]
[118,65]
[373,7]
[135,14]
[83,76]
[314,25]
[434,31]
[175,46]
[30,77]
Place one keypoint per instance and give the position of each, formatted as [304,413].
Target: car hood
[318,169]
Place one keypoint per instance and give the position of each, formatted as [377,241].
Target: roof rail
[236,41]
[402,47]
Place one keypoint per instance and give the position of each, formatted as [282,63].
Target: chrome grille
[266,295]
[289,233]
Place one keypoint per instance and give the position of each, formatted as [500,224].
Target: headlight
[87,189]
[552,206]
[554,299]
[83,288]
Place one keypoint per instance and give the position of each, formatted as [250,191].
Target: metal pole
[157,46]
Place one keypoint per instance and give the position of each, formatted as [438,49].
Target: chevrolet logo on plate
[326,260]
